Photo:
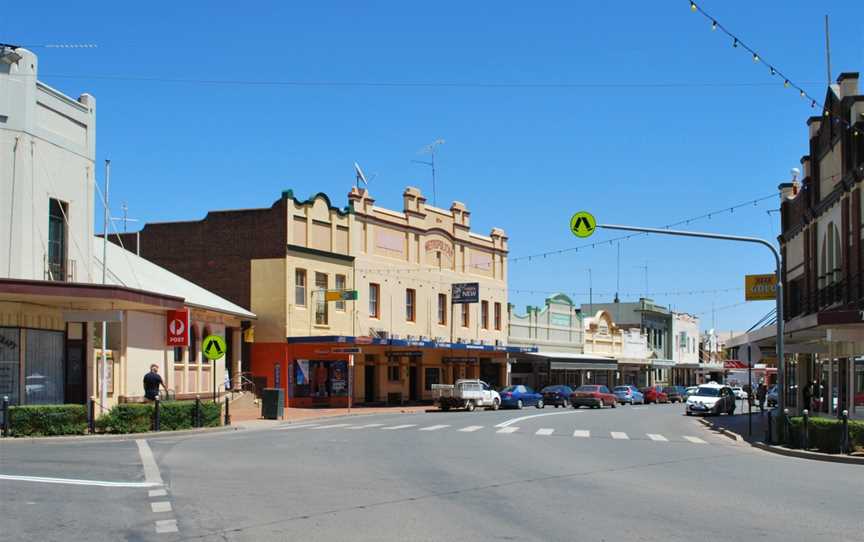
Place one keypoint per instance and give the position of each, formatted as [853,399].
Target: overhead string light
[787,82]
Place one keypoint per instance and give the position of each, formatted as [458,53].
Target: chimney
[413,200]
[848,82]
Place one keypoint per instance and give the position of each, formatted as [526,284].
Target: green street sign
[340,295]
[214,347]
[583,224]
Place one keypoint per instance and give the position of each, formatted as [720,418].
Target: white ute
[467,394]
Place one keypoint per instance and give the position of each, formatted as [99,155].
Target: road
[631,473]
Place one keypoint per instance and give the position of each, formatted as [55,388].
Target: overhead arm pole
[781,376]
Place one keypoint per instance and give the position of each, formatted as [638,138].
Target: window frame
[394,369]
[442,309]
[466,314]
[340,305]
[410,305]
[375,310]
[484,314]
[322,314]
[298,288]
[497,315]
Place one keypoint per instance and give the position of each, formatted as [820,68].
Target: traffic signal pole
[781,375]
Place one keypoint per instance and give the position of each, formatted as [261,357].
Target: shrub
[127,418]
[47,420]
[825,434]
[173,415]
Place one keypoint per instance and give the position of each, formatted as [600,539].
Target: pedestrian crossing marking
[617,435]
[395,427]
[507,430]
[366,426]
[433,427]
[695,440]
[544,432]
[657,438]
[334,426]
[298,426]
[582,433]
[471,428]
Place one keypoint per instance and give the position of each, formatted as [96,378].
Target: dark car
[595,396]
[519,396]
[558,395]
[675,394]
[654,394]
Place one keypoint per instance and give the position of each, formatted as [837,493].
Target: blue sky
[523,159]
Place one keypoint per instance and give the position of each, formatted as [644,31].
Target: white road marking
[617,435]
[507,430]
[695,440]
[365,426]
[544,432]
[297,426]
[74,482]
[164,526]
[657,438]
[433,427]
[157,493]
[334,426]
[151,469]
[582,433]
[471,428]
[514,420]
[160,507]
[395,427]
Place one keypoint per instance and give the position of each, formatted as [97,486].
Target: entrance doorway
[75,387]
[412,383]
[369,383]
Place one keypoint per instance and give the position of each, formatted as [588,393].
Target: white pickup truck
[467,394]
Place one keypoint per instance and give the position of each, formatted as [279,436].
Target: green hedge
[47,420]
[825,434]
[173,415]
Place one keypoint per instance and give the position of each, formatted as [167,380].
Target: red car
[654,394]
[594,396]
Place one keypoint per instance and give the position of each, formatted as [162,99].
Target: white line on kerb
[151,469]
[514,420]
[74,482]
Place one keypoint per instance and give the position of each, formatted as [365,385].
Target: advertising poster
[339,381]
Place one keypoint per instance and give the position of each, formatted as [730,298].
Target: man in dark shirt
[152,381]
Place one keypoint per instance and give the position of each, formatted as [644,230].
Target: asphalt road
[632,473]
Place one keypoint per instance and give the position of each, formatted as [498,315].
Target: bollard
[6,422]
[197,422]
[91,415]
[805,435]
[769,440]
[157,422]
[786,437]
[845,448]
[227,412]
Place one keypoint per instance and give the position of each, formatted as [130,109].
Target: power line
[738,43]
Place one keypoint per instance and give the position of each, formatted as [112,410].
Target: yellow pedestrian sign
[583,224]
[214,347]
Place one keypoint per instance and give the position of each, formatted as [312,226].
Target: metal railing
[63,271]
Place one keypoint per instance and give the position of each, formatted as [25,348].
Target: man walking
[761,393]
[152,381]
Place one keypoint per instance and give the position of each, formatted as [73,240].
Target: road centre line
[507,430]
[545,432]
[394,427]
[151,469]
[582,433]
[514,420]
[695,440]
[366,426]
[297,426]
[619,435]
[334,426]
[657,438]
[75,482]
[471,428]
[433,427]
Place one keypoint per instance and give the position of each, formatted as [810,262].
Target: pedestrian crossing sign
[214,347]
[582,224]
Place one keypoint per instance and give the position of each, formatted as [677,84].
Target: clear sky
[663,118]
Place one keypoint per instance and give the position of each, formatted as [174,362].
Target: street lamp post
[781,376]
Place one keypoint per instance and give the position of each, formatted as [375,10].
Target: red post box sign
[178,327]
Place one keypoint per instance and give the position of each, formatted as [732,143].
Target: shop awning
[663,362]
[569,361]
[406,343]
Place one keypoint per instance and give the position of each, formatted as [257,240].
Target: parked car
[675,393]
[520,396]
[859,398]
[654,394]
[739,392]
[711,399]
[772,396]
[466,394]
[594,396]
[628,395]
[690,391]
[558,395]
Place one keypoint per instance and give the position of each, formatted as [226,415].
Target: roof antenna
[430,150]
[828,49]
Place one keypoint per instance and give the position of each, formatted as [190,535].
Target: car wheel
[469,406]
[614,404]
[496,404]
[687,413]
[445,408]
[540,404]
[564,404]
[519,404]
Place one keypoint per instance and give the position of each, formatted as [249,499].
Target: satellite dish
[360,176]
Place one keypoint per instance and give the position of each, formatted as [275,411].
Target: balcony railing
[63,271]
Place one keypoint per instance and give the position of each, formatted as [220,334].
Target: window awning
[569,361]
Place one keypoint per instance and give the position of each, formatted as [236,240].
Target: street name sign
[340,295]
[583,224]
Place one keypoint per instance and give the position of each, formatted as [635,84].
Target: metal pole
[227,411]
[749,391]
[781,376]
[103,377]
[828,50]
[590,293]
[6,423]
[157,422]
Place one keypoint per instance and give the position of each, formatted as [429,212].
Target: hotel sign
[760,287]
[466,292]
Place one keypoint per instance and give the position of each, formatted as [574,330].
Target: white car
[739,392]
[467,394]
[711,399]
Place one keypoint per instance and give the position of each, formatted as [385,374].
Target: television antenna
[125,219]
[360,177]
[430,150]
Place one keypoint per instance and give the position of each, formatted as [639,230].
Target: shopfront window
[320,378]
[10,363]
[858,389]
[43,365]
[432,376]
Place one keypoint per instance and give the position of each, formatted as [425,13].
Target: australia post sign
[177,328]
